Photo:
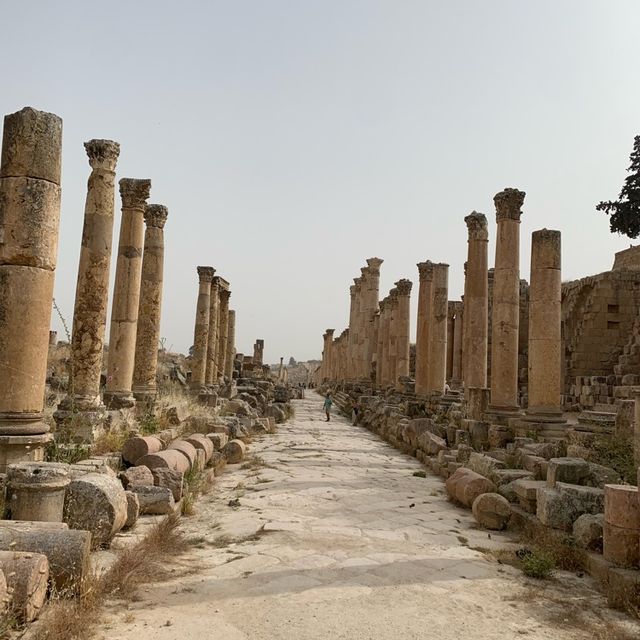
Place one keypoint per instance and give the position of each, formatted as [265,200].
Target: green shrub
[538,564]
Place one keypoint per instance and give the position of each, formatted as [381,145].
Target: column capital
[155,215]
[357,282]
[223,284]
[425,269]
[205,274]
[403,287]
[353,289]
[374,265]
[477,226]
[365,271]
[134,192]
[508,204]
[225,294]
[103,154]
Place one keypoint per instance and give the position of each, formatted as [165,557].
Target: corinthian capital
[477,226]
[134,192]
[403,287]
[374,265]
[155,215]
[205,274]
[103,154]
[508,204]
[425,269]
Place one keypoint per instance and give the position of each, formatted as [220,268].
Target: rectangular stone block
[568,470]
[622,506]
[621,546]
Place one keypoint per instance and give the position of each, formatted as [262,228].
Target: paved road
[335,538]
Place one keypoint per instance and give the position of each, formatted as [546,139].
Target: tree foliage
[624,213]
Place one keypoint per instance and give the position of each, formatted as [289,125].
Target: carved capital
[374,265]
[134,192]
[353,290]
[155,215]
[223,285]
[103,154]
[205,274]
[358,282]
[477,226]
[508,204]
[224,294]
[330,332]
[404,287]
[425,269]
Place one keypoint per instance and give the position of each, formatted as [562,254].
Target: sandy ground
[335,538]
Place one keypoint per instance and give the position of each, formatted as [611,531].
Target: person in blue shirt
[328,401]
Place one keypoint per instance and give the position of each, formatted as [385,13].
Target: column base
[145,394]
[22,424]
[119,400]
[23,448]
[502,415]
[547,423]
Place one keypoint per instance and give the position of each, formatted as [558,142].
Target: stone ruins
[523,395]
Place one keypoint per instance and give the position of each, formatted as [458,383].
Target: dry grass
[109,441]
[196,483]
[142,563]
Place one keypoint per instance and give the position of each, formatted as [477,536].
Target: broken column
[456,371]
[211,374]
[327,353]
[258,353]
[223,325]
[126,294]
[451,316]
[403,327]
[476,303]
[29,218]
[506,304]
[92,292]
[149,310]
[425,270]
[201,331]
[438,328]
[231,343]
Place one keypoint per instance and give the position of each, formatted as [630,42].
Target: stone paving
[334,537]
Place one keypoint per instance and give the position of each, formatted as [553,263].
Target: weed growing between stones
[196,483]
[538,564]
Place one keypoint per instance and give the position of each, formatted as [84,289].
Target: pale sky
[292,139]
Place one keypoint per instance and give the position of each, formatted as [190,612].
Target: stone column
[476,303]
[403,327]
[371,308]
[29,218]
[506,303]
[211,374]
[149,311]
[329,352]
[201,330]
[425,269]
[456,371]
[126,294]
[355,333]
[258,351]
[375,357]
[353,292]
[545,343]
[231,344]
[438,328]
[281,370]
[382,351]
[392,360]
[451,316]
[92,289]
[223,322]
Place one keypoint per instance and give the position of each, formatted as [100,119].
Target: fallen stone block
[546,450]
[431,443]
[186,449]
[479,434]
[587,531]
[218,463]
[464,486]
[202,442]
[551,509]
[537,465]
[567,470]
[171,479]
[167,436]
[96,503]
[562,506]
[136,477]
[27,575]
[67,550]
[527,492]
[491,511]
[499,436]
[168,459]
[218,440]
[621,546]
[175,415]
[234,451]
[621,506]
[157,501]
[484,465]
[133,510]
[505,476]
[138,447]
[600,475]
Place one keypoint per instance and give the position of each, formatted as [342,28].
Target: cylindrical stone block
[234,451]
[621,546]
[36,490]
[186,449]
[149,310]
[168,459]
[29,219]
[27,576]
[126,294]
[621,506]
[139,446]
[200,441]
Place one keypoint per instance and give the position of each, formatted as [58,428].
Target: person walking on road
[328,401]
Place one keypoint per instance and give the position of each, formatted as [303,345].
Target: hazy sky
[292,139]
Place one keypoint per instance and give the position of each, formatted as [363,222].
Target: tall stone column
[223,324]
[211,374]
[392,359]
[476,303]
[126,294]
[403,327]
[425,295]
[451,316]
[329,352]
[383,336]
[258,351]
[371,308]
[545,317]
[355,335]
[149,311]
[92,290]
[506,303]
[201,329]
[438,328]
[375,356]
[29,218]
[353,293]
[231,344]
[456,371]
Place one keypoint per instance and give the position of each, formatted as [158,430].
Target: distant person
[328,402]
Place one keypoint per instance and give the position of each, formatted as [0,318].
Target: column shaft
[211,374]
[403,328]
[223,325]
[456,372]
[438,329]
[201,329]
[451,314]
[231,343]
[425,295]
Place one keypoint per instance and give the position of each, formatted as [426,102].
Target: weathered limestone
[258,353]
[231,344]
[438,328]
[201,331]
[35,490]
[353,292]
[211,375]
[27,576]
[545,341]
[506,303]
[327,354]
[153,500]
[491,511]
[169,459]
[636,428]
[451,315]
[621,531]
[137,476]
[92,291]
[402,330]
[29,215]
[425,300]
[381,348]
[456,370]
[234,451]
[97,503]
[372,292]
[148,333]
[186,449]
[223,325]
[133,510]
[126,294]
[171,479]
[474,351]
[140,446]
